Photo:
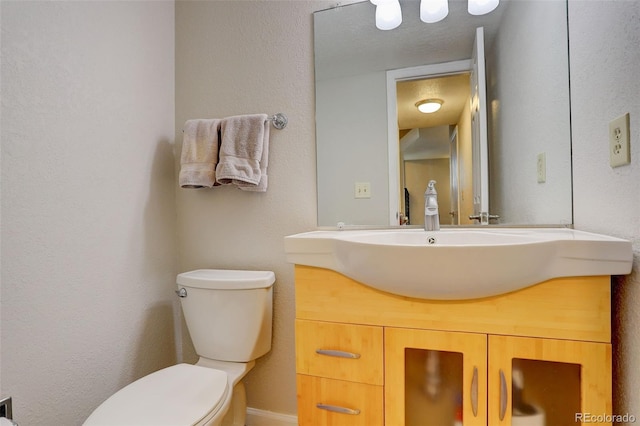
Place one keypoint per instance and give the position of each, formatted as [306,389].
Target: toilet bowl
[228,315]
[154,399]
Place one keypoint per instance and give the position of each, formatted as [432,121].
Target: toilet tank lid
[226,279]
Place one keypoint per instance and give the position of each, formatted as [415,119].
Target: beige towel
[264,162]
[241,149]
[200,146]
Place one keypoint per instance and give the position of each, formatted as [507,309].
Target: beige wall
[88,202]
[241,57]
[605,64]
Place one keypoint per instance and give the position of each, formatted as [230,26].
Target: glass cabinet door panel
[546,382]
[544,393]
[435,378]
[433,388]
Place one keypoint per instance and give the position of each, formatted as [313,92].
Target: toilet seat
[183,394]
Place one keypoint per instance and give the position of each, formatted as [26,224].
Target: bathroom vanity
[370,357]
[361,354]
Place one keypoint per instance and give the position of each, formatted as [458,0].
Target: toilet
[228,314]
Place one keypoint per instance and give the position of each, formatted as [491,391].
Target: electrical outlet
[363,190]
[619,144]
[542,167]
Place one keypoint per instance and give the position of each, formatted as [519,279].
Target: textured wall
[605,65]
[523,52]
[241,57]
[88,209]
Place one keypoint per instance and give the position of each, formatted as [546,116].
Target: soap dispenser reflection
[431,217]
[432,379]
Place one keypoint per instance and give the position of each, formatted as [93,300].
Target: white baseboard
[257,417]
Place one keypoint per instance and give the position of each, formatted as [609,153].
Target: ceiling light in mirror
[429,106]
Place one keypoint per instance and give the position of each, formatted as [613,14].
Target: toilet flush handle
[182,292]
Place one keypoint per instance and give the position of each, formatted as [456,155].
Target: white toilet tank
[228,313]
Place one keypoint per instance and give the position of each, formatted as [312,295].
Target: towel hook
[279,121]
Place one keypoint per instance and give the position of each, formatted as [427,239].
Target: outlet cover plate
[619,143]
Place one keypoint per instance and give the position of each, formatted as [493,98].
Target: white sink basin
[460,263]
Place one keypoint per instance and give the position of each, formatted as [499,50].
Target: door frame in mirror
[406,74]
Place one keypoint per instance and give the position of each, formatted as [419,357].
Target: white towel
[200,146]
[241,151]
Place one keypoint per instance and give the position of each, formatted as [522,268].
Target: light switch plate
[363,190]
[619,143]
[541,166]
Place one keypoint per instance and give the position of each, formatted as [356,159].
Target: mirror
[527,84]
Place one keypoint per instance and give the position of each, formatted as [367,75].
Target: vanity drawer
[340,351]
[330,402]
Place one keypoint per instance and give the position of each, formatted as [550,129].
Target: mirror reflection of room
[357,141]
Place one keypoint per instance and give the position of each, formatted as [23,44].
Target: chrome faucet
[431,217]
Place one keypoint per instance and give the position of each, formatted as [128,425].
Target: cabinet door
[547,382]
[435,378]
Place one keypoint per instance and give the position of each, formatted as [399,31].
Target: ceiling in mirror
[453,90]
[413,43]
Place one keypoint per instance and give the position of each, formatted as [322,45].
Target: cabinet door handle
[474,392]
[339,354]
[503,395]
[338,409]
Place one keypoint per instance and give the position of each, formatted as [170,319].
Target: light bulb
[433,10]
[388,14]
[482,7]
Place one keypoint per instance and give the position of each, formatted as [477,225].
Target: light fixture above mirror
[482,7]
[389,12]
[429,106]
[432,11]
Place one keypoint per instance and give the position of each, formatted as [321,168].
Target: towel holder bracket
[279,120]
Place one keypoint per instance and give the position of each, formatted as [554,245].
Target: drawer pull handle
[503,395]
[338,409]
[339,354]
[474,392]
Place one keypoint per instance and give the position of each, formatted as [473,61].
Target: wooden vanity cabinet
[363,356]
